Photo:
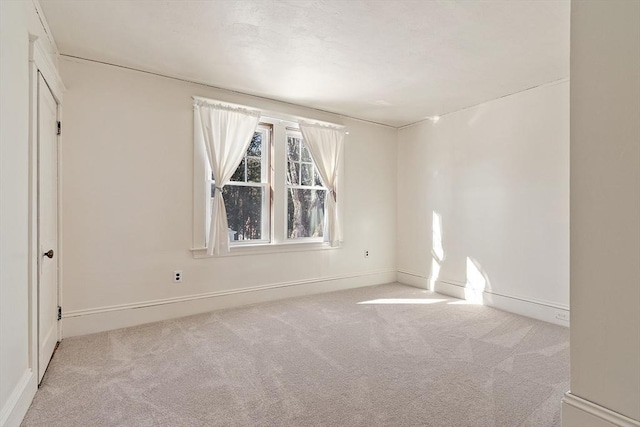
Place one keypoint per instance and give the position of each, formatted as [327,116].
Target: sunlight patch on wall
[437,249]
[435,273]
[476,283]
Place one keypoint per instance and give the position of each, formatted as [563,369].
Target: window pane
[306,155]
[293,148]
[307,174]
[255,146]
[238,175]
[254,170]
[244,211]
[305,213]
[317,180]
[293,173]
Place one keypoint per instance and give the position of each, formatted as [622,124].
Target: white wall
[498,176]
[605,213]
[17,381]
[127,177]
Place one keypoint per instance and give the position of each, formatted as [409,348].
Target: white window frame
[278,242]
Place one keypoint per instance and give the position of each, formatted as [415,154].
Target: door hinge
[59,313]
[59,128]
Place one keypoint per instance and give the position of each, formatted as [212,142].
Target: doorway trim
[40,62]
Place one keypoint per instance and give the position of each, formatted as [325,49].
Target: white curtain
[227,133]
[326,146]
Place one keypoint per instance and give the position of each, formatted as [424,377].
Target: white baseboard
[541,310]
[544,311]
[578,412]
[449,288]
[15,408]
[413,279]
[82,322]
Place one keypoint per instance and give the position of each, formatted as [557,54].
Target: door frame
[40,62]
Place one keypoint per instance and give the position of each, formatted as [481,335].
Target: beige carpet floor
[387,355]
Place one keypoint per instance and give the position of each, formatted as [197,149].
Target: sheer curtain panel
[326,147]
[227,132]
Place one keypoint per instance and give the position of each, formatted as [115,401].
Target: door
[47,225]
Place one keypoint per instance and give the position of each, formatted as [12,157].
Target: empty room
[320,213]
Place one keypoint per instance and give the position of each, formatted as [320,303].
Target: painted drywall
[605,206]
[497,177]
[17,384]
[127,177]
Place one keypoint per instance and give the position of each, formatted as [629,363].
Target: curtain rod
[271,113]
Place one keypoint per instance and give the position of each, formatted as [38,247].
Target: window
[275,200]
[305,193]
[247,195]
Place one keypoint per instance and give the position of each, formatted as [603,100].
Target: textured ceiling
[394,62]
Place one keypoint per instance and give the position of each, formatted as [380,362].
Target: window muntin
[305,193]
[247,194]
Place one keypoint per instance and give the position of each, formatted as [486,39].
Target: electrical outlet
[177,276]
[366,254]
[562,315]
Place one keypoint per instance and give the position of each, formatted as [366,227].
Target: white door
[47,225]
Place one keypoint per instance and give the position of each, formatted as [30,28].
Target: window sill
[266,248]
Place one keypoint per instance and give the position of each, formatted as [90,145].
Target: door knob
[49,253]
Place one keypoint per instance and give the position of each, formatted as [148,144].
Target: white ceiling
[394,62]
